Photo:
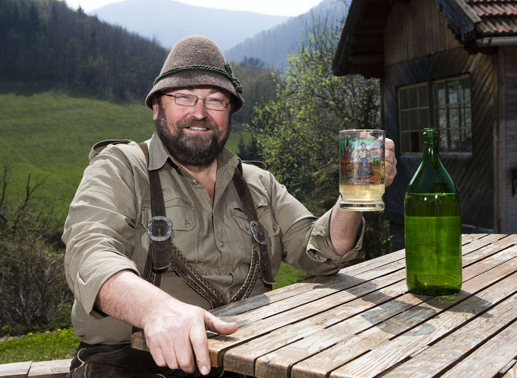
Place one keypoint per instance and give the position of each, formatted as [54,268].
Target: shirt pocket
[267,220]
[183,227]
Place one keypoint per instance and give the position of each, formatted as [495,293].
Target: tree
[297,128]
[33,290]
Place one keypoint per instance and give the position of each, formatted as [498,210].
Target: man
[207,199]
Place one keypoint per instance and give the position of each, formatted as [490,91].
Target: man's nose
[199,111]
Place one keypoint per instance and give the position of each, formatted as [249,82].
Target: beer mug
[361,176]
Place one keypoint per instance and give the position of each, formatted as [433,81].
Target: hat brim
[187,79]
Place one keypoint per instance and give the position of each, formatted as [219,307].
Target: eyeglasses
[191,100]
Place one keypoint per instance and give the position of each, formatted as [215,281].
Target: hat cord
[199,67]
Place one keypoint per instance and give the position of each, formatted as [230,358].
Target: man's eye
[214,101]
[183,97]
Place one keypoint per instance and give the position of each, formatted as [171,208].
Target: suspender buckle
[150,229]
[260,235]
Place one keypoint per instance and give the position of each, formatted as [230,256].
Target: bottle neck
[430,155]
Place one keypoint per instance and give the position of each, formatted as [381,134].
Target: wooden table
[362,322]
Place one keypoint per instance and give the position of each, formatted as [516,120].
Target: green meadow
[49,134]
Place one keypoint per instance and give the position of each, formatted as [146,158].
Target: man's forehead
[210,89]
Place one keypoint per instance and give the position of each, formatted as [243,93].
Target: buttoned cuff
[320,247]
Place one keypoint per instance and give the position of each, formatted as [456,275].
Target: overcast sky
[275,7]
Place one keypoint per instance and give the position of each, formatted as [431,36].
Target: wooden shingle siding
[415,30]
[473,174]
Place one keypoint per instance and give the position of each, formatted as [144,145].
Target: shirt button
[187,224]
[221,244]
[274,227]
[194,182]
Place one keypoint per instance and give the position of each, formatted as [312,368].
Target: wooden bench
[44,369]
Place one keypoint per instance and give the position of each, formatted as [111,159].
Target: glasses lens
[183,99]
[214,104]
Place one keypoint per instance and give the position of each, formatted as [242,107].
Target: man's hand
[176,336]
[390,163]
[175,332]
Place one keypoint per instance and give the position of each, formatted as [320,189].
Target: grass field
[50,133]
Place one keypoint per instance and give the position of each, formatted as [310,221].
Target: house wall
[415,30]
[507,138]
[474,174]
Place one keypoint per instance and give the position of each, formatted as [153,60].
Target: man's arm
[175,332]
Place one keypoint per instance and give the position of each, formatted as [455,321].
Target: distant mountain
[273,46]
[169,21]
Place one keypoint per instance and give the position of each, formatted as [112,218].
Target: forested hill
[44,40]
[274,45]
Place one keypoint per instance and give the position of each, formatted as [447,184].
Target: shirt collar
[158,155]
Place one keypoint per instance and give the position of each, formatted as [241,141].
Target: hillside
[273,46]
[50,133]
[176,20]
[47,41]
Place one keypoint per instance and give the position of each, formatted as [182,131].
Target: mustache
[190,122]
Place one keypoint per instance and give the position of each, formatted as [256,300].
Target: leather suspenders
[163,253]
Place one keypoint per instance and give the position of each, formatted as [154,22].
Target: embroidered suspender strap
[177,260]
[260,239]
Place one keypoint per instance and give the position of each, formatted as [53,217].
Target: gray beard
[191,151]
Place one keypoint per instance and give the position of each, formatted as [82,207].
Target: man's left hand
[390,169]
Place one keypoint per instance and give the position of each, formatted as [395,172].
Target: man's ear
[156,106]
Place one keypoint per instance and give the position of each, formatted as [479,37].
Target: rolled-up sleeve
[319,247]
[306,238]
[99,231]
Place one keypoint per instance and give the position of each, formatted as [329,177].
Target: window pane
[467,117]
[464,87]
[406,143]
[424,118]
[403,99]
[455,140]
[453,91]
[405,121]
[440,93]
[413,120]
[442,135]
[413,98]
[423,98]
[454,117]
[442,118]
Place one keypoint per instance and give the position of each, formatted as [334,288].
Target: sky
[289,8]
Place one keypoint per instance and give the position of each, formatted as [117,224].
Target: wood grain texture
[50,369]
[388,354]
[19,369]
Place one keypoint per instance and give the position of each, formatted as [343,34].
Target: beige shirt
[106,230]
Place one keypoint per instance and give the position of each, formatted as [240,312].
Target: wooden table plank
[15,370]
[50,369]
[510,370]
[458,344]
[228,342]
[249,330]
[242,358]
[488,359]
[388,354]
[321,363]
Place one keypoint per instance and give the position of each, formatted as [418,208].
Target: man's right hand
[176,336]
[175,332]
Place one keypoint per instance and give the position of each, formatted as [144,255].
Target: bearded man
[160,232]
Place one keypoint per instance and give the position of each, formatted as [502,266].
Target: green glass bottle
[432,217]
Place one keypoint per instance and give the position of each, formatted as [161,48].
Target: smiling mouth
[197,128]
